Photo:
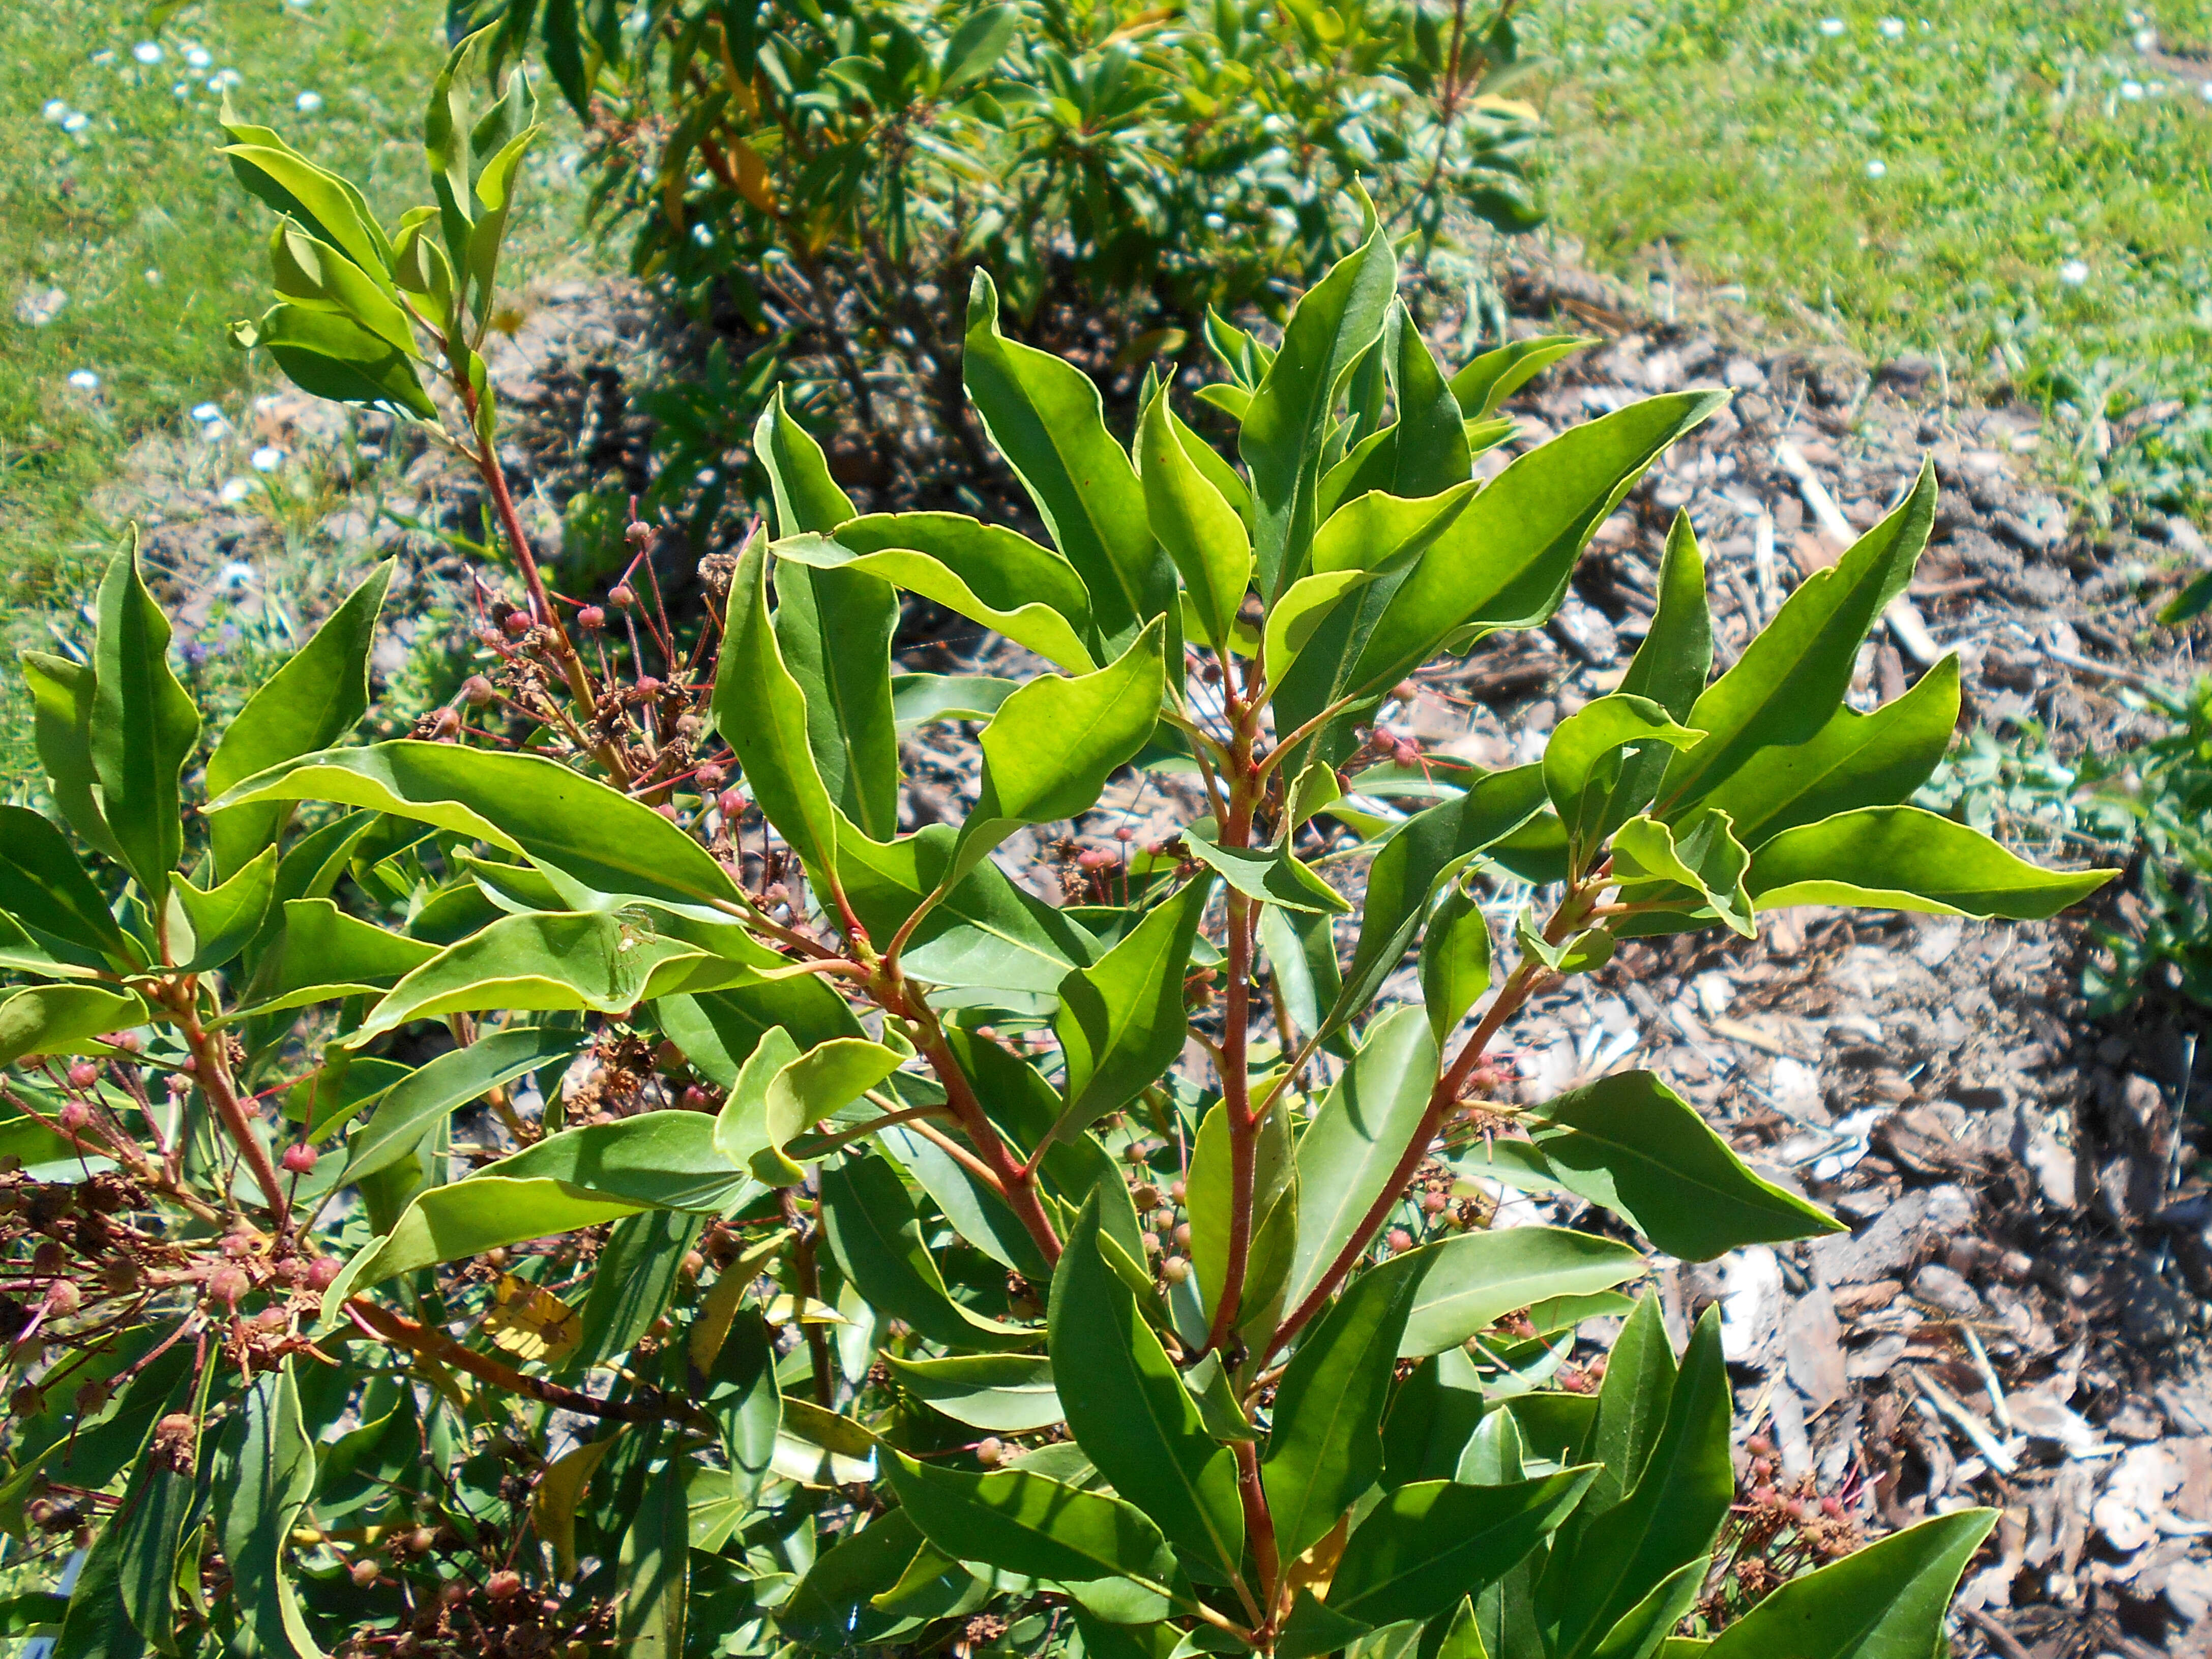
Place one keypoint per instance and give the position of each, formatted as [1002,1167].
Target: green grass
[138,221]
[1927,192]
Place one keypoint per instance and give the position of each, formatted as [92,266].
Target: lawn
[114,200]
[2024,186]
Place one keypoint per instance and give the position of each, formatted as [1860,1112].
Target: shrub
[844,1254]
[819,180]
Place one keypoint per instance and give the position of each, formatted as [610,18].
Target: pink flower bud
[1095,859]
[1175,1270]
[1406,754]
[299,1160]
[129,1041]
[323,1272]
[228,1285]
[709,777]
[647,689]
[83,1074]
[476,691]
[75,1116]
[731,803]
[1400,1240]
[590,619]
[668,810]
[991,1451]
[446,725]
[504,1585]
[64,1298]
[622,594]
[516,623]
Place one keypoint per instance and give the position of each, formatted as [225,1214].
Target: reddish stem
[431,1343]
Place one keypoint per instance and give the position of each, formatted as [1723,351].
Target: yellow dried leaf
[531,1322]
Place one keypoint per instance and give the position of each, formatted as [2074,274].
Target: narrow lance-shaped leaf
[1478,1278]
[63,1019]
[781,1093]
[62,698]
[274,1475]
[1122,1020]
[877,1240]
[665,1160]
[43,886]
[224,919]
[434,1090]
[761,710]
[1487,382]
[1698,855]
[1273,1220]
[144,724]
[1427,1544]
[1583,757]
[834,628]
[1886,1601]
[1196,524]
[1669,668]
[1455,959]
[1903,857]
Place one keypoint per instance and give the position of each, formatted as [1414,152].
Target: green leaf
[637,1271]
[1856,760]
[1484,384]
[976,46]
[309,269]
[321,954]
[1129,1411]
[1047,419]
[1583,759]
[1886,1601]
[877,1241]
[97,1625]
[1632,1144]
[1000,1393]
[807,497]
[152,1531]
[1379,533]
[977,1211]
[63,1019]
[576,829]
[1049,751]
[1669,668]
[1122,1020]
[1362,1127]
[1038,1527]
[274,1475]
[560,1492]
[987,574]
[538,960]
[920,699]
[1301,954]
[1505,560]
[1195,523]
[718,1030]
[310,703]
[44,887]
[762,709]
[781,1093]
[1326,1446]
[1329,330]
[290,183]
[654,1568]
[1454,960]
[743,1399]
[1632,1404]
[435,1090]
[1427,1544]
[485,1213]
[667,1159]
[1902,858]
[1791,678]
[63,694]
[832,1605]
[1294,619]
[1698,852]
[1478,1278]
[1640,1631]
[328,355]
[144,724]
[1278,879]
[1669,1518]
[1425,451]
[224,920]
[1273,1211]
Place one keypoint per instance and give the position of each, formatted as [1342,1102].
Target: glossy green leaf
[1047,420]
[1427,1544]
[1632,1144]
[1454,960]
[1001,1394]
[1028,1524]
[97,1625]
[1273,1211]
[877,1241]
[1278,879]
[741,1397]
[654,1567]
[1856,760]
[1669,668]
[1505,560]
[1294,619]
[1485,383]
[1904,858]
[538,960]
[1698,852]
[1379,532]
[305,268]
[322,954]
[781,1093]
[481,1214]
[225,919]
[666,1160]
[1121,1021]
[1326,1446]
[274,1474]
[151,1528]
[1280,439]
[63,1019]
[762,709]
[1584,756]
[43,886]
[1424,450]
[1129,1411]
[718,1030]
[144,726]
[574,827]
[63,695]
[1639,1631]
[328,355]
[639,1269]
[1049,751]
[920,699]
[1479,1277]
[989,574]
[1195,523]
[1364,1124]
[1632,1404]
[1791,677]
[977,1211]
[1300,948]
[1670,1517]
[433,1091]
[1886,1601]
[290,183]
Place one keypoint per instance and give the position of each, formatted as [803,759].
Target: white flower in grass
[153,278]
[147,51]
[198,57]
[1893,28]
[1832,25]
[76,121]
[55,110]
[1877,169]
[233,491]
[2131,90]
[84,381]
[267,458]
[2073,273]
[308,102]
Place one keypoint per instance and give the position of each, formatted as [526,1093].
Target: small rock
[1941,1287]
[1909,373]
